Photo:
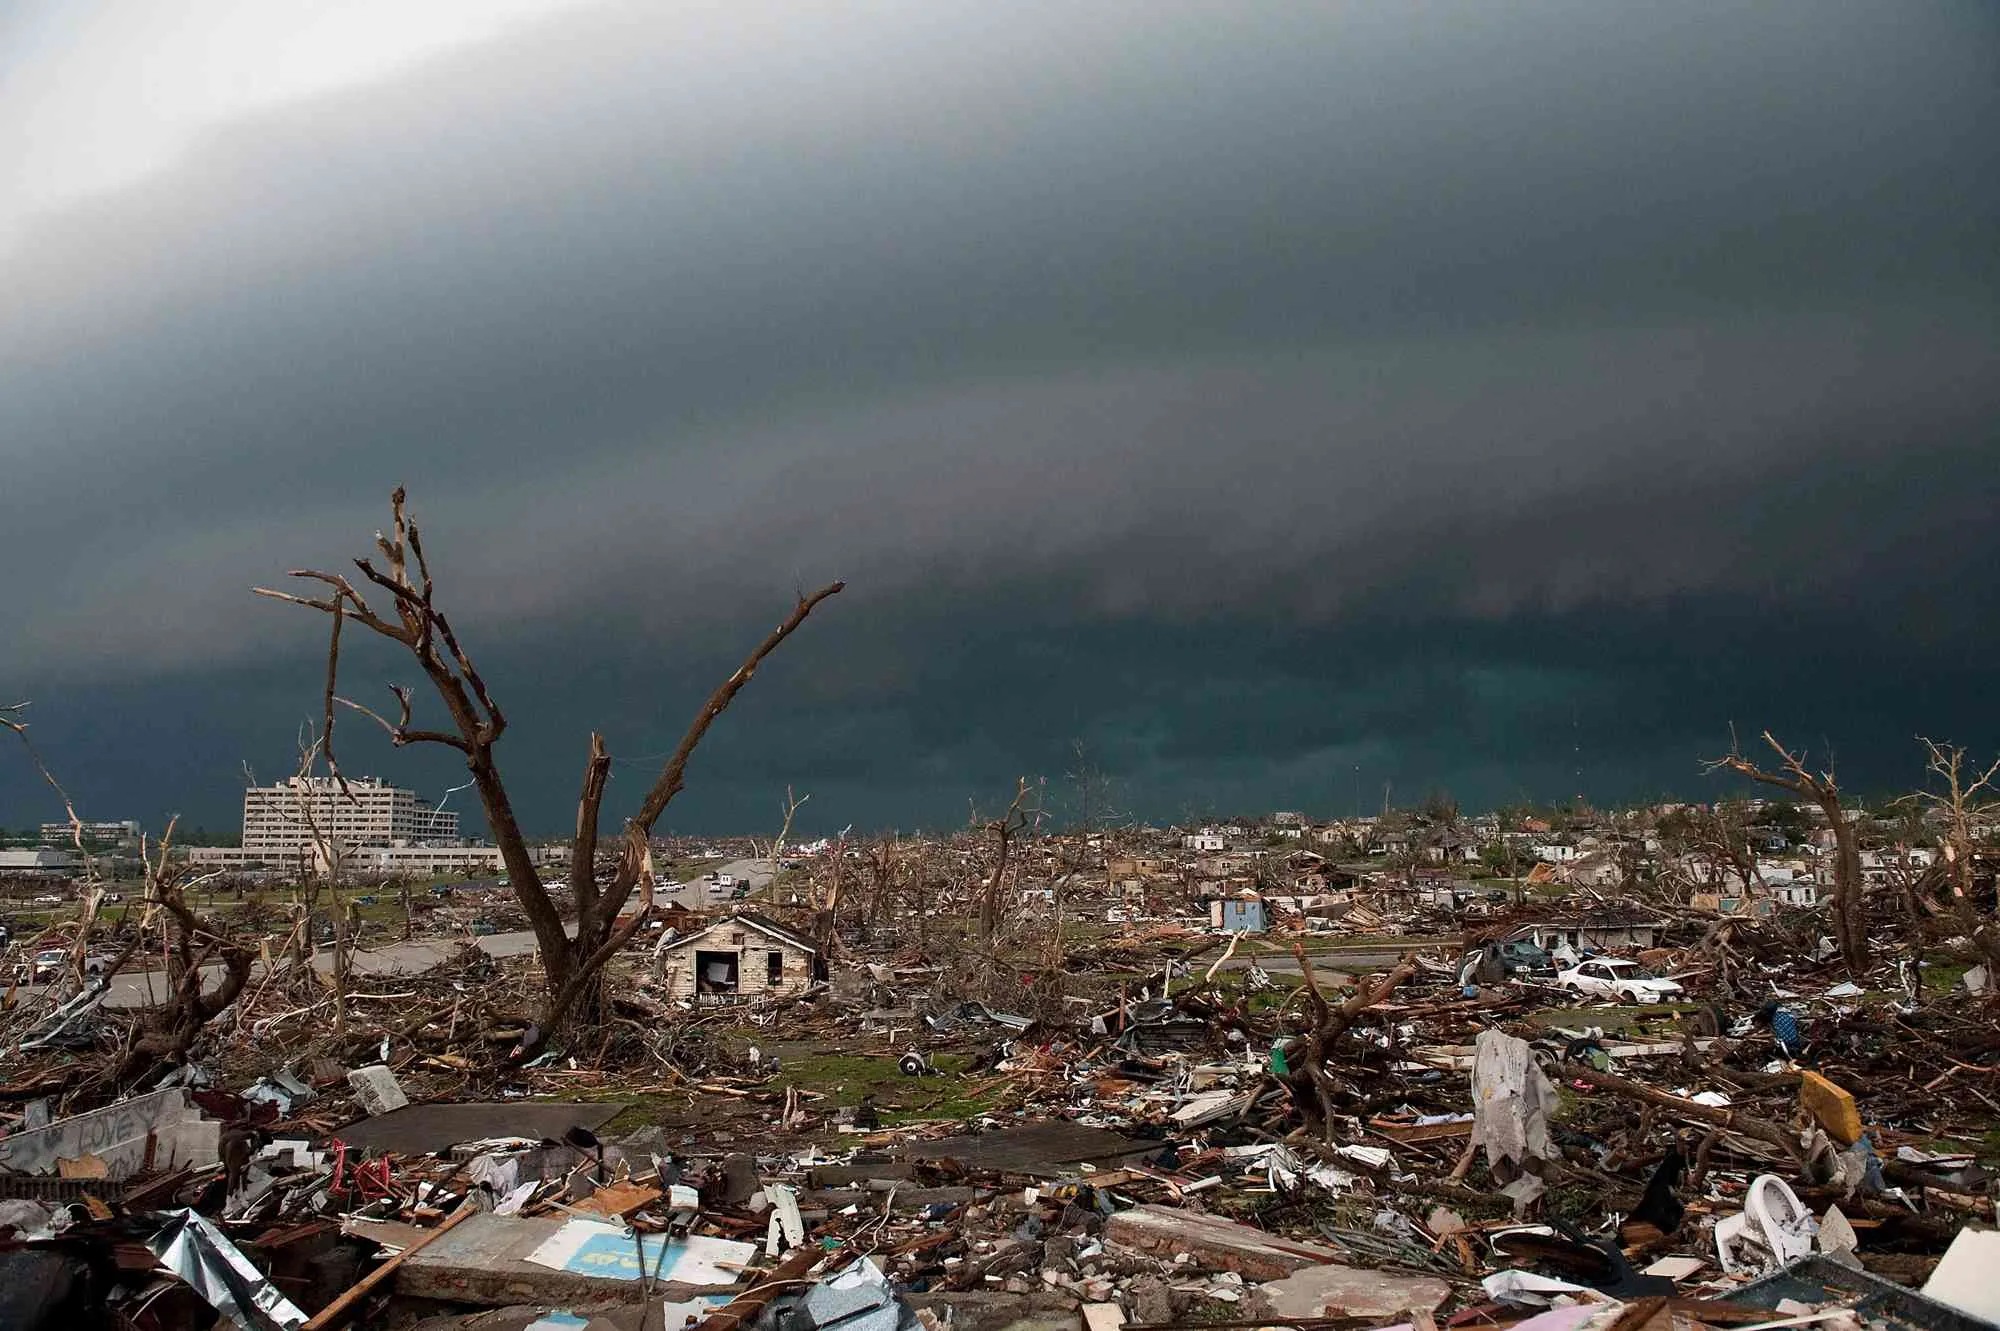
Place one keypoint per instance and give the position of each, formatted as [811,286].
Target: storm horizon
[1272,404]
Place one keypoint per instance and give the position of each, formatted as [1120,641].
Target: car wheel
[1630,996]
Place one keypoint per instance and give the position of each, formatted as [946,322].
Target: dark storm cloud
[1263,391]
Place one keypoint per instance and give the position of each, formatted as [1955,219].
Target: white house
[738,960]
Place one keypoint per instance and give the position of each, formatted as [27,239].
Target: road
[1333,966]
[137,990]
[700,894]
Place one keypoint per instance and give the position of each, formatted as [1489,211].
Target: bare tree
[1970,797]
[572,967]
[793,803]
[93,884]
[1003,830]
[165,1034]
[1850,928]
[885,864]
[320,875]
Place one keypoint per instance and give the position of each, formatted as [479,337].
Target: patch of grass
[1941,976]
[1619,1020]
[1322,945]
[845,1078]
[643,1112]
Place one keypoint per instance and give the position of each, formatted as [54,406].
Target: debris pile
[1166,1126]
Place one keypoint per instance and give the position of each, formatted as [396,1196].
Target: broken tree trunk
[1730,1120]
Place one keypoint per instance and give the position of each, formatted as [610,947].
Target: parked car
[48,899]
[48,964]
[482,928]
[1513,957]
[1518,954]
[1625,981]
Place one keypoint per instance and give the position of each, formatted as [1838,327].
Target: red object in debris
[370,1178]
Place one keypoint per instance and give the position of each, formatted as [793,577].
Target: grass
[643,1111]
[845,1078]
[1619,1020]
[1318,946]
[1941,976]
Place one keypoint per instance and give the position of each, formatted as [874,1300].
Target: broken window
[774,967]
[715,972]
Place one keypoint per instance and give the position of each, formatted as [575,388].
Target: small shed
[1237,915]
[740,959]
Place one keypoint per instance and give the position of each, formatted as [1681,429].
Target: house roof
[770,928]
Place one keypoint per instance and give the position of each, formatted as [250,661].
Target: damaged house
[740,959]
[1606,930]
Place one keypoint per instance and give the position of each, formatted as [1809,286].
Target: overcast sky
[1276,399]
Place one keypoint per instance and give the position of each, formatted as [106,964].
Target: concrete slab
[425,1129]
[1217,1244]
[1334,1290]
[115,1134]
[377,1089]
[484,1261]
[1041,1150]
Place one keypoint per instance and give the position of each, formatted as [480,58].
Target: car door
[1596,978]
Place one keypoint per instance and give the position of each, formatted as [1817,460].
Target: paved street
[702,895]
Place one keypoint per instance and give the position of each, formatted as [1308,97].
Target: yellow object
[1831,1107]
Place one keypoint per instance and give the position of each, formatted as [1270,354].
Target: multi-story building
[299,812]
[124,833]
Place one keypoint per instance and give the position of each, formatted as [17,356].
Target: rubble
[1152,1125]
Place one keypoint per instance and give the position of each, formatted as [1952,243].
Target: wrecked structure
[1209,1126]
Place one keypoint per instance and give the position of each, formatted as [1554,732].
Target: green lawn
[1624,1019]
[845,1078]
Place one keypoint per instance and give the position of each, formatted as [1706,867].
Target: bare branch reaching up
[1849,927]
[413,620]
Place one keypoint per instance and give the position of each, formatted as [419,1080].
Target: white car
[1624,981]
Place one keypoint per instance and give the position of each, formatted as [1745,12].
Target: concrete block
[484,1261]
[115,1134]
[376,1089]
[1103,1317]
[1334,1290]
[190,1143]
[1215,1244]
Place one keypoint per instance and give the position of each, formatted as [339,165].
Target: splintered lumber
[619,1200]
[789,1271]
[343,1307]
[1729,1119]
[1220,1244]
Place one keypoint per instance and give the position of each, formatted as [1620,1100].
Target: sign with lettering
[116,1133]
